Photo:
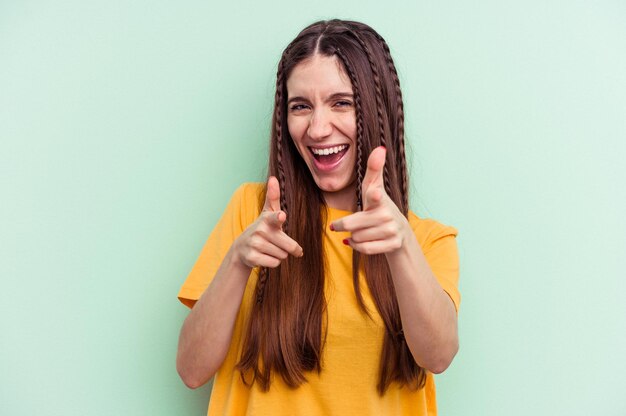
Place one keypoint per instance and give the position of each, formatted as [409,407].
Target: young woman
[319,292]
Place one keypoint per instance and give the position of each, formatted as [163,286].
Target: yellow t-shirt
[351,355]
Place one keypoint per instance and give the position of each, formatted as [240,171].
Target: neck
[344,199]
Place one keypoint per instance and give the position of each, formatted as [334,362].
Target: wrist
[406,237]
[235,260]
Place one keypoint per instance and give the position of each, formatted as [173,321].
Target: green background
[125,127]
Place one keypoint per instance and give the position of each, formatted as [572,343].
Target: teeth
[328,150]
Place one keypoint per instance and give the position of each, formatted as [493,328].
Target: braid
[356,261]
[400,121]
[261,284]
[359,127]
[379,103]
[279,136]
[264,272]
[359,163]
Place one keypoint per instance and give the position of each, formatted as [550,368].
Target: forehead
[318,75]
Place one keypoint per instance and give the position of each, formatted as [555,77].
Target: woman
[320,292]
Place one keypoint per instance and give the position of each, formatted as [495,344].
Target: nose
[320,125]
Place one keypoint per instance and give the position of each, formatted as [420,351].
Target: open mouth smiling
[329,155]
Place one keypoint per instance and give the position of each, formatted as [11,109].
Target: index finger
[286,243]
[353,222]
[291,246]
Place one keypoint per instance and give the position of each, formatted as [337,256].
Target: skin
[321,114]
[208,329]
[429,318]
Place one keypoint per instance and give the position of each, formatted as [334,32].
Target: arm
[207,331]
[428,315]
[429,318]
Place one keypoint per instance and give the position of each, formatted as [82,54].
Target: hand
[264,243]
[380,227]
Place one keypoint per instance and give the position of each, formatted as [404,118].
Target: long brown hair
[285,328]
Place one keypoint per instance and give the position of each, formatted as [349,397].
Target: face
[322,123]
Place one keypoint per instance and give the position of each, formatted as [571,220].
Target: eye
[298,107]
[343,103]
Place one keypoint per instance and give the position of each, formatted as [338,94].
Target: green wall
[125,126]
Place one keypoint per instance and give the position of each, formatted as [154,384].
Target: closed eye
[298,107]
[343,103]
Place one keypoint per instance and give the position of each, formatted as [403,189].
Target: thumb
[373,182]
[277,219]
[272,196]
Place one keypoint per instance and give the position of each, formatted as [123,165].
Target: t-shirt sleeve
[241,211]
[439,245]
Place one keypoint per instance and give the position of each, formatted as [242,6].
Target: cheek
[294,129]
[348,126]
[295,135]
[297,130]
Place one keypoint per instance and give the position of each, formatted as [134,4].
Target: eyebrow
[331,97]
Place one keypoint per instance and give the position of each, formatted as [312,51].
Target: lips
[329,157]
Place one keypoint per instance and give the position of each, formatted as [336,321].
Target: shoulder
[428,231]
[438,242]
[249,193]
[245,202]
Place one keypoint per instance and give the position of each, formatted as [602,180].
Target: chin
[336,186]
[329,187]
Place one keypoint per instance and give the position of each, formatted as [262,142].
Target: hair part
[285,333]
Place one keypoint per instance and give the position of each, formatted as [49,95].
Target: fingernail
[332,227]
[346,241]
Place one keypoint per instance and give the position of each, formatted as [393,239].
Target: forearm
[428,315]
[207,331]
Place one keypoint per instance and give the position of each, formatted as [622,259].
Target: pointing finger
[292,247]
[356,221]
[279,238]
[286,243]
